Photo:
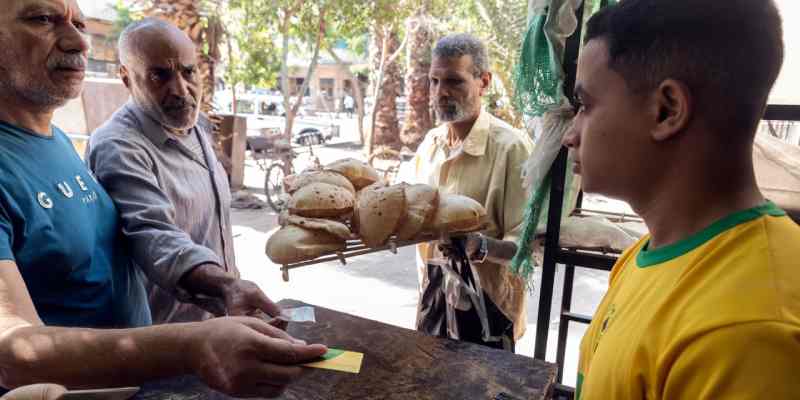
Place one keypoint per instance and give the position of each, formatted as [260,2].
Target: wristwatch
[483,251]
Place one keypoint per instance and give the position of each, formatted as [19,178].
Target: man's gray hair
[464,44]
[125,42]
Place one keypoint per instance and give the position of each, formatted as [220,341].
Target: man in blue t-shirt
[63,267]
[62,230]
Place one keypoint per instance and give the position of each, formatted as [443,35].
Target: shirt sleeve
[515,198]
[163,250]
[757,360]
[419,160]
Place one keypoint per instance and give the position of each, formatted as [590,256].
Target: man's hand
[246,357]
[471,243]
[36,392]
[499,252]
[246,298]
[241,297]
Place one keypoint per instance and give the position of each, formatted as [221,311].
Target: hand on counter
[247,357]
[240,297]
[43,391]
[246,298]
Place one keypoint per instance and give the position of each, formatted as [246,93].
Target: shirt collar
[477,138]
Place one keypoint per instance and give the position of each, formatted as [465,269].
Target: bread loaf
[335,228]
[357,172]
[293,183]
[380,210]
[292,244]
[422,201]
[321,200]
[458,214]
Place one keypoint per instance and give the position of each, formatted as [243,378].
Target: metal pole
[558,174]
[563,326]
[552,247]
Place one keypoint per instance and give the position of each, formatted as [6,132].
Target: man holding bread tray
[476,155]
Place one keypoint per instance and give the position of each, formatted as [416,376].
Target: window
[245,107]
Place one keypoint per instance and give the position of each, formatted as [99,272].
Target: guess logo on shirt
[87,195]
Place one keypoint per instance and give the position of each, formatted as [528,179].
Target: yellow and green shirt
[715,316]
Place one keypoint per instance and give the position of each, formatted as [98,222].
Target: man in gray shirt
[155,159]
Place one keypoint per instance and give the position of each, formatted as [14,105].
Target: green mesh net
[522,264]
[538,80]
[538,74]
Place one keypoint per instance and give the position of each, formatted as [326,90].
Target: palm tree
[418,121]
[383,48]
[503,24]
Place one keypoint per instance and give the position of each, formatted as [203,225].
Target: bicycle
[276,156]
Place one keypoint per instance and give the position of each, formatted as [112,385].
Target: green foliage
[252,55]
[126,15]
[501,24]
[256,27]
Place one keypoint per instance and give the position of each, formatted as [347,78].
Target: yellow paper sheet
[337,360]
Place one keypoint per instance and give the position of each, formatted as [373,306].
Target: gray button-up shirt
[174,204]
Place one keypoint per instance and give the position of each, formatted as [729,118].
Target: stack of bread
[348,200]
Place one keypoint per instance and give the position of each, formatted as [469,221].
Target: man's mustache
[179,104]
[76,62]
[447,103]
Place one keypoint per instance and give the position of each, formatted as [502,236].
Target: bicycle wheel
[273,187]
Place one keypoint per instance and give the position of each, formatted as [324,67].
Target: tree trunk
[359,95]
[418,119]
[386,130]
[292,109]
[231,67]
[285,87]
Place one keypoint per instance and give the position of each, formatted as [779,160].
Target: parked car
[313,136]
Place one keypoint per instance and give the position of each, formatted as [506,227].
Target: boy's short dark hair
[728,52]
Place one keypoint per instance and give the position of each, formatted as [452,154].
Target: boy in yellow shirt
[707,306]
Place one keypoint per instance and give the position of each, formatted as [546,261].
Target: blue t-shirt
[63,231]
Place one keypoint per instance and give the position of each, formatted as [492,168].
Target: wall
[325,71]
[103,53]
[98,101]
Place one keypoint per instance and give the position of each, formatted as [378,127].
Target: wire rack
[356,248]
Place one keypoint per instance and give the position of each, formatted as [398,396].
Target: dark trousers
[432,315]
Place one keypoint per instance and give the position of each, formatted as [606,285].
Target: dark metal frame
[554,254]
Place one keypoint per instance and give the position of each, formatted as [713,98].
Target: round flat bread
[335,228]
[380,210]
[321,200]
[422,201]
[458,213]
[354,220]
[293,183]
[360,174]
[292,244]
